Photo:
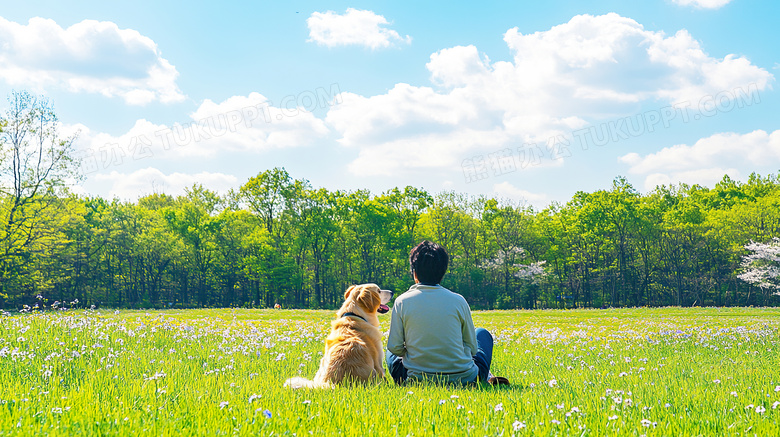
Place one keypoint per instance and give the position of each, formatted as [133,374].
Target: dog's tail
[299,382]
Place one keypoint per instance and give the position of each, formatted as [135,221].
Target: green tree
[36,165]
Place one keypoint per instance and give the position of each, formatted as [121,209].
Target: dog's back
[353,350]
[349,356]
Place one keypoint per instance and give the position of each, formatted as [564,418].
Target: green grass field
[664,372]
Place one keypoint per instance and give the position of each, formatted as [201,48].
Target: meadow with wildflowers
[663,372]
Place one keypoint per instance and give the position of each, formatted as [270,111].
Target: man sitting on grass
[432,335]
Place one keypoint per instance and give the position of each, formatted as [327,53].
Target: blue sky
[528,101]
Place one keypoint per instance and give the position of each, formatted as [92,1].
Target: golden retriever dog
[353,350]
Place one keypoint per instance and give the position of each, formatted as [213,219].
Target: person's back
[431,328]
[432,334]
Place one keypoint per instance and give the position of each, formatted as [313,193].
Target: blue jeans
[482,359]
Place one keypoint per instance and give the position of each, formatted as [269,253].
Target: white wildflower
[156,376]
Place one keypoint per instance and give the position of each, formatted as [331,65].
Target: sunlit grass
[671,371]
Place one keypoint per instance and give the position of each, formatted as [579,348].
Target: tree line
[278,240]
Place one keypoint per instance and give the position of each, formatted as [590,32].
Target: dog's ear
[349,291]
[369,298]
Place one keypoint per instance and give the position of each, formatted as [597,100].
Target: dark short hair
[429,261]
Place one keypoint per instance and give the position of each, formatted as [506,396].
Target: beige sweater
[431,328]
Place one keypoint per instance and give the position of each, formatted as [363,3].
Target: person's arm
[396,342]
[467,328]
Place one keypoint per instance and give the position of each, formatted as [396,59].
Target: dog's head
[366,298]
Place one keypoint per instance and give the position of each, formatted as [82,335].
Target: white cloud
[706,177]
[253,123]
[89,56]
[506,190]
[239,124]
[706,161]
[591,67]
[703,4]
[132,186]
[355,27]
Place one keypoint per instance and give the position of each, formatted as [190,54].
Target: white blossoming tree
[761,267]
[505,262]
